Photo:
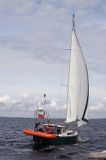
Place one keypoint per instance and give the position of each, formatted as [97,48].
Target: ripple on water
[14,145]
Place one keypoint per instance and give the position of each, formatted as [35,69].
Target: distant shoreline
[50,118]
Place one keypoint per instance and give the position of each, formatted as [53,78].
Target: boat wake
[44,148]
[83,140]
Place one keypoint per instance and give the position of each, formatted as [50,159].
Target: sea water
[14,145]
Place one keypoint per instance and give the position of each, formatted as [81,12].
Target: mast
[73,21]
[73,29]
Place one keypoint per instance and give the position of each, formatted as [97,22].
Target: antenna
[73,21]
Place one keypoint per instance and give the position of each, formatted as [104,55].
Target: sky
[34,37]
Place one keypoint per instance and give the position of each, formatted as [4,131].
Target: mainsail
[78,86]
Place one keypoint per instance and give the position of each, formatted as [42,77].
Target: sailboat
[76,106]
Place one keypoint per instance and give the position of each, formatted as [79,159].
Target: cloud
[26,104]
[24,95]
[17,6]
[98,109]
[98,91]
[33,39]
[6,100]
[47,31]
[81,3]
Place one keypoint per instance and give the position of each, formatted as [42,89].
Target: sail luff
[70,115]
[68,109]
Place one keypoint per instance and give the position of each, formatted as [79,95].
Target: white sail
[78,87]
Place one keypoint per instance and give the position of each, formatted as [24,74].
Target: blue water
[14,145]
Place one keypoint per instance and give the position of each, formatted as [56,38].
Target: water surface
[14,145]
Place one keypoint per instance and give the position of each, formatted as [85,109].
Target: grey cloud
[46,52]
[45,32]
[17,6]
[98,109]
[26,106]
[9,41]
[82,3]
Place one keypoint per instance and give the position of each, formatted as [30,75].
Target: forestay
[78,86]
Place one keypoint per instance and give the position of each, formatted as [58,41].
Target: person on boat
[47,129]
[54,130]
[41,129]
[58,130]
[37,126]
